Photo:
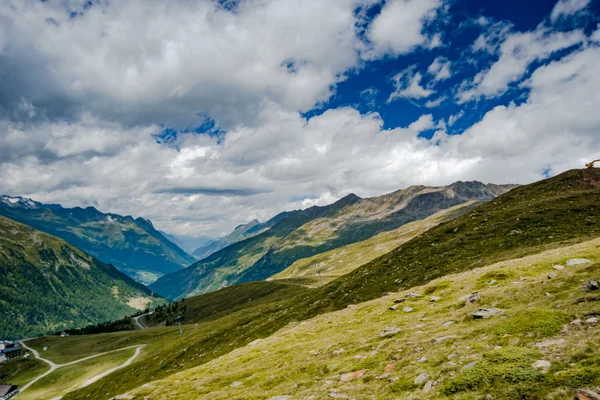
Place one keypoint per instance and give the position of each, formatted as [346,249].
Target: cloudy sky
[201,115]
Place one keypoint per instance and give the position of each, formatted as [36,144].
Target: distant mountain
[187,243]
[240,232]
[48,285]
[133,246]
[304,233]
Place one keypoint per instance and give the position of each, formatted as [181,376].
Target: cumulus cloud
[407,84]
[140,61]
[399,27]
[86,98]
[567,7]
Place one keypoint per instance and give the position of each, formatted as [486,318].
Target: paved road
[54,366]
[140,324]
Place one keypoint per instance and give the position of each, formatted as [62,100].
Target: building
[9,350]
[7,391]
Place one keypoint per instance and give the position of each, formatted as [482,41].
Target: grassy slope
[315,230]
[309,358]
[132,245]
[49,285]
[340,261]
[71,377]
[20,370]
[546,214]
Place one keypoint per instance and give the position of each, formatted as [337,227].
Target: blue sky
[201,115]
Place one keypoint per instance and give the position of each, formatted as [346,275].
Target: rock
[444,338]
[447,324]
[281,398]
[336,395]
[389,332]
[591,286]
[471,298]
[394,307]
[387,294]
[468,366]
[542,365]
[451,356]
[486,312]
[359,357]
[488,397]
[413,295]
[581,394]
[428,386]
[398,301]
[421,379]
[591,321]
[352,375]
[576,322]
[558,267]
[236,384]
[389,367]
[382,376]
[422,360]
[433,299]
[407,309]
[338,352]
[492,282]
[314,352]
[552,276]
[577,261]
[550,343]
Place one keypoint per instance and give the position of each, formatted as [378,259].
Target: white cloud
[453,118]
[436,103]
[516,52]
[440,69]
[567,7]
[140,60]
[407,84]
[399,27]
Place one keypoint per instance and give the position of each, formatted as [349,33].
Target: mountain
[187,243]
[240,232]
[508,249]
[304,233]
[322,268]
[133,246]
[48,285]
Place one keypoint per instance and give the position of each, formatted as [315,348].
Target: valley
[397,324]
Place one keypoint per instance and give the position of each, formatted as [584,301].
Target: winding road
[54,366]
[140,324]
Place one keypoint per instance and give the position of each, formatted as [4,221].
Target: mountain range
[499,302]
[133,246]
[49,285]
[304,233]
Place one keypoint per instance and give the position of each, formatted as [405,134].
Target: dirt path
[54,366]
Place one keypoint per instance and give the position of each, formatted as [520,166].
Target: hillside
[304,233]
[542,345]
[133,246]
[49,285]
[240,232]
[547,215]
[334,263]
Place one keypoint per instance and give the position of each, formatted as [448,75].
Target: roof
[10,349]
[6,389]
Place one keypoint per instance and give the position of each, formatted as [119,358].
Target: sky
[202,115]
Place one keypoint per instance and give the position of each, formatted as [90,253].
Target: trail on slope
[54,366]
